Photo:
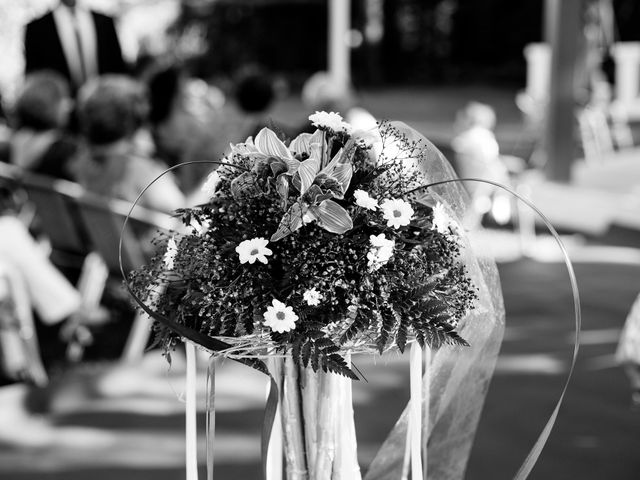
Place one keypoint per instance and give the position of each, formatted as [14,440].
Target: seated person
[30,282]
[119,163]
[186,118]
[254,95]
[477,155]
[40,142]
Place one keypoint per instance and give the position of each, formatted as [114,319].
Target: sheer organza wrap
[457,378]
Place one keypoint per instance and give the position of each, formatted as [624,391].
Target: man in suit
[78,43]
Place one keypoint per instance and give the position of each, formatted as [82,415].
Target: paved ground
[107,421]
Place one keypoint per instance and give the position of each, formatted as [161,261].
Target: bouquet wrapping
[313,251]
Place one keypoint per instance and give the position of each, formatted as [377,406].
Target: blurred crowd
[85,115]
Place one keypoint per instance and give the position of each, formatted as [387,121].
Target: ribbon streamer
[211,414]
[415,417]
[191,431]
[273,465]
[426,401]
[267,425]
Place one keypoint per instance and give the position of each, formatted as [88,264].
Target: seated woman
[40,142]
[119,163]
[186,119]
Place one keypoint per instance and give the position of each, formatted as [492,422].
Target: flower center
[280,315]
[397,213]
[255,251]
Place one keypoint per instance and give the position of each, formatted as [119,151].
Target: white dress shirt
[77,33]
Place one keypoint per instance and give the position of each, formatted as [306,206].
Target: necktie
[81,59]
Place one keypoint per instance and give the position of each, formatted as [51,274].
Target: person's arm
[52,295]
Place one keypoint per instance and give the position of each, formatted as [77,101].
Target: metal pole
[564,31]
[339,50]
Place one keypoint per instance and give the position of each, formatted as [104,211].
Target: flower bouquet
[329,245]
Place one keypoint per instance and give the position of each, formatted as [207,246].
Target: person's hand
[76,331]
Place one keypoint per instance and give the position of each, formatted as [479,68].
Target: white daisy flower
[381,251]
[312,297]
[441,220]
[252,250]
[380,241]
[170,253]
[397,212]
[364,200]
[279,317]
[330,121]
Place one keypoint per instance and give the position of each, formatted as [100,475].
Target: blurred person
[29,282]
[39,142]
[254,94]
[477,155]
[186,118]
[76,42]
[322,92]
[113,111]
[628,351]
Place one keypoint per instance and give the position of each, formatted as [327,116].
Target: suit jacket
[43,48]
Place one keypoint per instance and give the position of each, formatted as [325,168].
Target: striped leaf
[301,143]
[307,172]
[269,144]
[343,173]
[332,217]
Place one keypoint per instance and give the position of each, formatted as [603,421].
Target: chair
[597,141]
[103,220]
[51,198]
[89,226]
[605,135]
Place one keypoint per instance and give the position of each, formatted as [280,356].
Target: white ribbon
[211,414]
[426,402]
[274,453]
[191,431]
[414,430]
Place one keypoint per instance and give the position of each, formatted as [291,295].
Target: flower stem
[326,426]
[309,391]
[292,424]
